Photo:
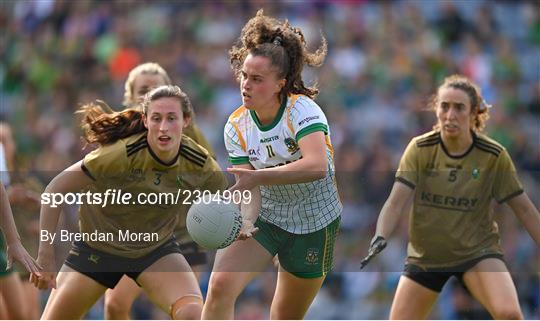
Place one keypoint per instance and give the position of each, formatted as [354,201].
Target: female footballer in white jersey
[279,144]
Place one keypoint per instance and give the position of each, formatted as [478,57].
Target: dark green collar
[274,123]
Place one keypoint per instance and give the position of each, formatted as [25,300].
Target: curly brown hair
[478,105]
[284,45]
[103,127]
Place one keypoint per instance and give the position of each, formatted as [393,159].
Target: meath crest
[312,256]
[292,146]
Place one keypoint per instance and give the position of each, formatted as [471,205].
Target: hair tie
[484,105]
[277,41]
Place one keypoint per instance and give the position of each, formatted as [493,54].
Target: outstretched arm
[72,179]
[312,166]
[528,214]
[15,249]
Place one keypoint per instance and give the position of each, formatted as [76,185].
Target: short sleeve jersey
[130,165]
[297,208]
[452,220]
[4,173]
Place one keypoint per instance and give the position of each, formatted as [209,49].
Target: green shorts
[3,257]
[303,255]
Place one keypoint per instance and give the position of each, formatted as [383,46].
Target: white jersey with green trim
[297,208]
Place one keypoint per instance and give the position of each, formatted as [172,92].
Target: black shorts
[435,278]
[107,269]
[193,253]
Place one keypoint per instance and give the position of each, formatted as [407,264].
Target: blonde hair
[148,68]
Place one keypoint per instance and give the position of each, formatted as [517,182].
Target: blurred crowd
[385,60]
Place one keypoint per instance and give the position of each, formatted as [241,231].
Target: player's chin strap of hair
[484,105]
[183,302]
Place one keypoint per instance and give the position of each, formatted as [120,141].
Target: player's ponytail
[103,127]
[286,48]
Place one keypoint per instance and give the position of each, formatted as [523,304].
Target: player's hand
[17,252]
[246,179]
[247,231]
[378,243]
[45,279]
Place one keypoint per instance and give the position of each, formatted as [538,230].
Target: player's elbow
[52,186]
[319,175]
[318,168]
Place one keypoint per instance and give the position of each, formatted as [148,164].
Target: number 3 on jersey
[270,151]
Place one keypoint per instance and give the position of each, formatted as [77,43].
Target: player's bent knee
[116,312]
[221,287]
[188,307]
[116,309]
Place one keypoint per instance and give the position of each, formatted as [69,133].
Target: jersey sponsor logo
[307,120]
[312,256]
[269,139]
[448,202]
[254,154]
[292,146]
[136,175]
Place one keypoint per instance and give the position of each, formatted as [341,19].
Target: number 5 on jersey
[452,176]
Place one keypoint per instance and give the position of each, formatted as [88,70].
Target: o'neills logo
[234,232]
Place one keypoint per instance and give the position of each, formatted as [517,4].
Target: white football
[213,223]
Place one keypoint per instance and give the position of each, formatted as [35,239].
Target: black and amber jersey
[194,132]
[130,166]
[452,218]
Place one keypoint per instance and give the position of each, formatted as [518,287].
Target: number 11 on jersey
[270,151]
